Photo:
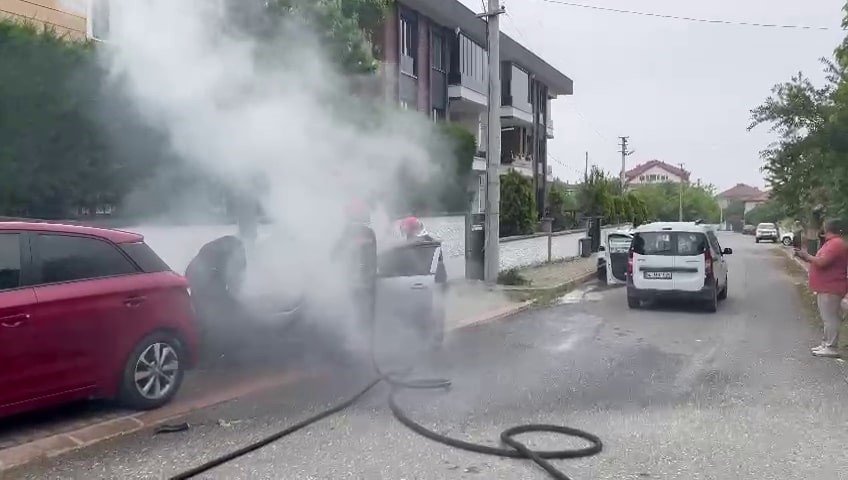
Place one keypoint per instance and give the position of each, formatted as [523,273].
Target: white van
[676,260]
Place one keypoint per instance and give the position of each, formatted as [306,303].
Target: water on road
[674,392]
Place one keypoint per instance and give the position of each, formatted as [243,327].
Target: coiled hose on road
[516,449]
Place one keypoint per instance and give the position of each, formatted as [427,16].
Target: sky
[681,91]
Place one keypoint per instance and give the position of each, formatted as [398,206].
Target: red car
[89,313]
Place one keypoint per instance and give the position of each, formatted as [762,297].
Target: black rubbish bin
[585,247]
[594,233]
[475,243]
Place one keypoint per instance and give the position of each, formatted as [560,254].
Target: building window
[408,46]
[98,20]
[438,51]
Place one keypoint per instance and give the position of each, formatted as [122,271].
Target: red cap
[410,225]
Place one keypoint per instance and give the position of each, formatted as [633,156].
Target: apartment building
[435,61]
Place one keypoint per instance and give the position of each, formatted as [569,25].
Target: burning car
[252,291]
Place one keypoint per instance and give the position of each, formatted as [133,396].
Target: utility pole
[493,155]
[624,154]
[586,168]
[680,195]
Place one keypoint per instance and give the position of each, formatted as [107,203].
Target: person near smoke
[412,229]
[356,249]
[215,277]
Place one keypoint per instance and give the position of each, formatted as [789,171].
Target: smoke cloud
[271,117]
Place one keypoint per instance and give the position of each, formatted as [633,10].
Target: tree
[769,212]
[595,193]
[518,205]
[445,190]
[662,202]
[638,209]
[808,165]
[562,206]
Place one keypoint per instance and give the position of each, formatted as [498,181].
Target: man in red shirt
[829,280]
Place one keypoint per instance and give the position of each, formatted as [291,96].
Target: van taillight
[630,262]
[708,263]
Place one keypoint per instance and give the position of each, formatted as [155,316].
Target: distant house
[750,196]
[655,171]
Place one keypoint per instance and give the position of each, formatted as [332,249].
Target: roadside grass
[798,275]
[544,297]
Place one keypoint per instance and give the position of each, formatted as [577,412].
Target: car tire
[160,358]
[787,241]
[633,302]
[711,305]
[757,240]
[722,295]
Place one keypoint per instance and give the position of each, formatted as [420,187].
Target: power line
[688,19]
[517,29]
[590,124]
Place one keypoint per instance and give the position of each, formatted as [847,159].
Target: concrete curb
[54,445]
[493,316]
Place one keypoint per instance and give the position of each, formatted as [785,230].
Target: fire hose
[397,384]
[399,381]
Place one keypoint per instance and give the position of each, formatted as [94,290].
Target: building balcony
[515,114]
[468,75]
[479,163]
[517,163]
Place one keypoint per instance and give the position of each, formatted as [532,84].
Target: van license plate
[658,275]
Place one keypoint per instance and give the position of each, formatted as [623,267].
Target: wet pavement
[674,393]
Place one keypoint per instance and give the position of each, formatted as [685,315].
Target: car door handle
[14,321]
[418,286]
[133,302]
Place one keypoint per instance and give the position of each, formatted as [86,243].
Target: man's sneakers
[824,351]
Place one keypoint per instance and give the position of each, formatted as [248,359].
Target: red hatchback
[89,313]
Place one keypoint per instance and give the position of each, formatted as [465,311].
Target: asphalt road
[673,392]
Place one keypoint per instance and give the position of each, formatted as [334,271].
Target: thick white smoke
[284,118]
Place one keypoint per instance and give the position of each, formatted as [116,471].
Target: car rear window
[669,243]
[407,260]
[765,225]
[145,257]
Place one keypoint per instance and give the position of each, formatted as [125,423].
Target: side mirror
[601,248]
[727,251]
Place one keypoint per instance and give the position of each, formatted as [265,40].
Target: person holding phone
[829,281]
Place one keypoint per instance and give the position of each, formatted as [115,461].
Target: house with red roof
[654,171]
[750,196]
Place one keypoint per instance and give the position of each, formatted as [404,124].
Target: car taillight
[630,262]
[708,263]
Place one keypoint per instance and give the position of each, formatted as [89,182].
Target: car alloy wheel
[156,371]
[787,241]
